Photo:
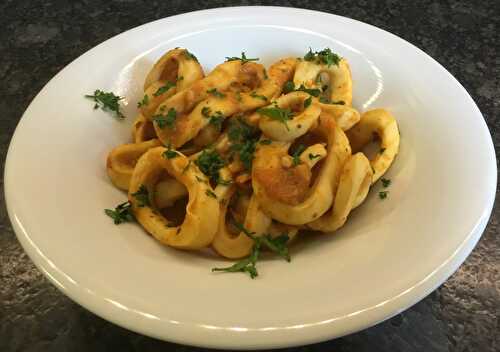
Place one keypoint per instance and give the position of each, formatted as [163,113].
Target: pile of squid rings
[276,151]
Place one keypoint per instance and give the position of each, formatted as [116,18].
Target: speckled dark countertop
[36,41]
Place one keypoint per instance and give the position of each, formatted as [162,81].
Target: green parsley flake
[216,93]
[210,162]
[296,154]
[258,96]
[326,56]
[167,120]
[385,182]
[107,101]
[243,58]
[210,194]
[277,113]
[243,139]
[265,141]
[144,101]
[122,213]
[247,265]
[383,194]
[170,154]
[307,102]
[314,156]
[164,89]
[142,197]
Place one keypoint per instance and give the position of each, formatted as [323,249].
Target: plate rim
[197,335]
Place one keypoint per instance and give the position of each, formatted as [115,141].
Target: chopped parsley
[243,58]
[122,213]
[164,89]
[381,151]
[385,182]
[243,137]
[277,113]
[314,156]
[210,162]
[315,92]
[265,141]
[144,101]
[326,56]
[247,265]
[383,194]
[296,154]
[288,87]
[216,119]
[142,197]
[210,194]
[107,101]
[307,102]
[167,120]
[190,56]
[216,93]
[205,111]
[170,154]
[258,96]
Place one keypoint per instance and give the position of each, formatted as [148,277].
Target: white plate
[391,253]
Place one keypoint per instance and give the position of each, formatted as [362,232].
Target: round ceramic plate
[389,255]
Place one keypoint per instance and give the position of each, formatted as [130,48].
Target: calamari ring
[168,191]
[239,246]
[198,229]
[184,101]
[121,161]
[354,184]
[381,123]
[172,65]
[143,129]
[339,77]
[345,116]
[302,207]
[250,89]
[298,125]
[173,72]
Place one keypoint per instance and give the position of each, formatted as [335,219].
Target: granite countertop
[36,41]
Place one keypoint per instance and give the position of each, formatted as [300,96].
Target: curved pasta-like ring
[184,101]
[231,102]
[239,246]
[345,116]
[122,160]
[381,123]
[142,129]
[198,229]
[354,184]
[298,125]
[173,72]
[339,76]
[270,180]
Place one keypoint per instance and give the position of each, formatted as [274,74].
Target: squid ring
[142,129]
[354,184]
[121,161]
[381,123]
[175,71]
[339,79]
[295,127]
[345,116]
[198,228]
[239,246]
[271,182]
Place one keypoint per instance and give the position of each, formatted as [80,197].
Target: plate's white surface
[390,254]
